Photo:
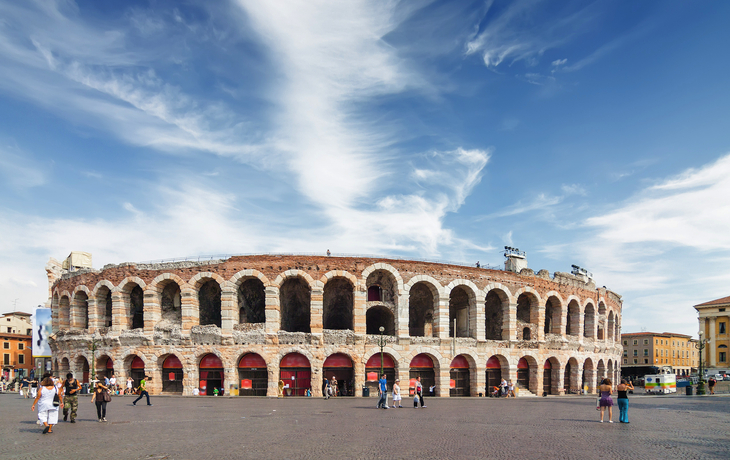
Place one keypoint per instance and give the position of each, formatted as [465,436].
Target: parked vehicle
[660,383]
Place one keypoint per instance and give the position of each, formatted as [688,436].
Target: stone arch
[80,307]
[295,299]
[553,314]
[589,320]
[462,295]
[397,357]
[533,369]
[132,293]
[439,362]
[387,267]
[251,298]
[82,368]
[243,275]
[166,292]
[377,316]
[611,326]
[496,310]
[423,306]
[528,316]
[383,285]
[338,303]
[572,318]
[64,367]
[209,287]
[332,274]
[64,311]
[104,303]
[551,376]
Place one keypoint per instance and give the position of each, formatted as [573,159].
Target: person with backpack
[71,389]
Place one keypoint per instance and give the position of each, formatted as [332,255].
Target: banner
[42,328]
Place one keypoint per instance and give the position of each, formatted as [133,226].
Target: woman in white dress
[396,393]
[47,412]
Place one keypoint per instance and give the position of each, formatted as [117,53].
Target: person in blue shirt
[383,392]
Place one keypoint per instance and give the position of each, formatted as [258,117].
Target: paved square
[223,428]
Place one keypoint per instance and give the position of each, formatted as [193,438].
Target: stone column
[273,316]
[120,315]
[230,377]
[189,309]
[359,310]
[316,310]
[95,319]
[478,322]
[558,381]
[509,324]
[711,346]
[229,310]
[274,376]
[152,313]
[541,324]
[402,316]
[563,320]
[359,370]
[443,382]
[316,381]
[442,318]
[478,381]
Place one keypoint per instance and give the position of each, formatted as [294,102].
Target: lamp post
[381,342]
[701,344]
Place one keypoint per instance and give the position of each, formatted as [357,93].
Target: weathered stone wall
[172,318]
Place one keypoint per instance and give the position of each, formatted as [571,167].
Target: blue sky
[583,133]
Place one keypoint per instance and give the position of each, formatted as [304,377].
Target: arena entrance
[372,372]
[547,378]
[459,384]
[422,366]
[494,374]
[296,373]
[339,365]
[83,364]
[211,375]
[523,374]
[106,367]
[137,371]
[172,375]
[253,375]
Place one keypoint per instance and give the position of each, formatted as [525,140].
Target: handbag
[106,396]
[56,400]
[598,403]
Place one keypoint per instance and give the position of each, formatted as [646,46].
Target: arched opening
[64,368]
[572,327]
[104,306]
[590,322]
[494,373]
[172,375]
[104,367]
[296,373]
[547,378]
[209,301]
[294,301]
[611,326]
[523,374]
[421,305]
[211,375]
[553,316]
[338,304]
[339,366]
[372,372]
[460,301]
[251,302]
[253,375]
[588,378]
[136,370]
[64,313]
[527,314]
[136,307]
[459,382]
[601,370]
[171,302]
[526,334]
[379,316]
[566,377]
[493,309]
[609,372]
[81,313]
[82,365]
[382,287]
[422,366]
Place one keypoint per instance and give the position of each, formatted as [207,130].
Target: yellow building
[714,322]
[668,351]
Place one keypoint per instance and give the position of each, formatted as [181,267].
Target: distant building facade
[714,322]
[675,353]
[16,340]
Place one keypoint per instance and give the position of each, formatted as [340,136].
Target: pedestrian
[333,384]
[142,391]
[383,392]
[623,400]
[24,388]
[327,390]
[511,389]
[71,388]
[711,383]
[396,394]
[130,383]
[432,390]
[503,387]
[281,389]
[113,384]
[100,398]
[34,387]
[419,392]
[47,404]
[477,264]
[328,253]
[605,401]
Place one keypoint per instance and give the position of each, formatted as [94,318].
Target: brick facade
[156,311]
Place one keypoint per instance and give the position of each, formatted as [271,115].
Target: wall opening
[294,301]
[338,304]
[171,303]
[379,316]
[209,301]
[136,307]
[421,305]
[590,322]
[252,302]
[493,308]
[386,284]
[572,327]
[459,311]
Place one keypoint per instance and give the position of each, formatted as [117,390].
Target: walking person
[71,388]
[419,392]
[34,388]
[130,383]
[47,408]
[396,394]
[333,384]
[24,388]
[100,398]
[606,402]
[623,400]
[511,389]
[711,383]
[143,391]
[383,392]
[503,387]
[327,389]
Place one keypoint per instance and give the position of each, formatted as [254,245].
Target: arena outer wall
[552,334]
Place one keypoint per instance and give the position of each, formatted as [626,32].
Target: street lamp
[381,342]
[701,344]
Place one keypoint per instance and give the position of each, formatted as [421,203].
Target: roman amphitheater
[242,323]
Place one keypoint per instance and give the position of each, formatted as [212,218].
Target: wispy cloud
[19,170]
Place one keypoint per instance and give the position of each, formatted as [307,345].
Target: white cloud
[559,62]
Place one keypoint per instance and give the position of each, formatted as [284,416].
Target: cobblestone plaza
[222,428]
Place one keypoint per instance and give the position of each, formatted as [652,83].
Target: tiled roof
[723,301]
